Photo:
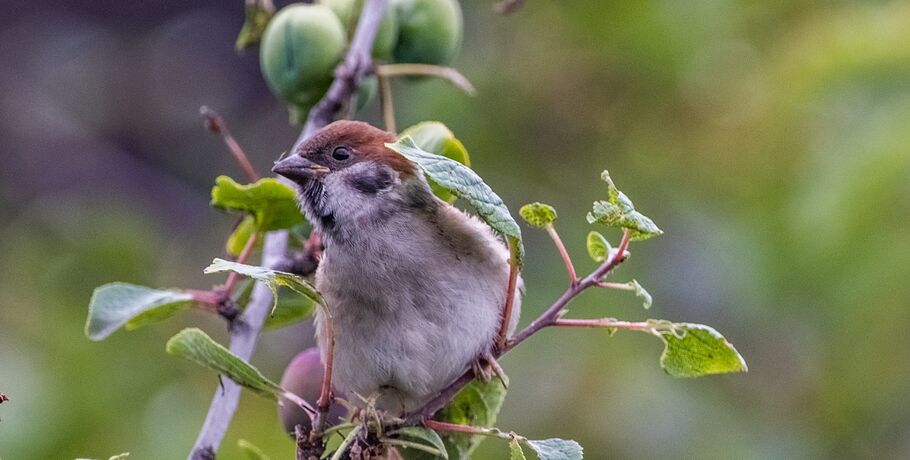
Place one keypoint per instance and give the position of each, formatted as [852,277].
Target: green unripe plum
[303,377]
[299,51]
[429,31]
[348,11]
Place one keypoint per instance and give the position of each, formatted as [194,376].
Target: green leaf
[426,439]
[116,304]
[618,211]
[272,278]
[515,451]
[641,292]
[250,451]
[289,310]
[477,404]
[598,247]
[196,346]
[257,16]
[556,449]
[538,215]
[435,137]
[272,203]
[241,234]
[467,185]
[693,350]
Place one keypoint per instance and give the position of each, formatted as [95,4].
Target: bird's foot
[485,367]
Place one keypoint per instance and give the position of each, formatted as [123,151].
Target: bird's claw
[485,367]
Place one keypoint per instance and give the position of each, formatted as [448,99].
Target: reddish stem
[566,259]
[325,393]
[208,299]
[452,427]
[603,323]
[228,288]
[502,337]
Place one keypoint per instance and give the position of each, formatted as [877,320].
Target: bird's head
[344,168]
[339,146]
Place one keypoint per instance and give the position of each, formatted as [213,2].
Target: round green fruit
[429,31]
[348,12]
[300,49]
[303,377]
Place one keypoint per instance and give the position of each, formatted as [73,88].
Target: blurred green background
[769,140]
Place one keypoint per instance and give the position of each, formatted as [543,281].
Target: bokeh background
[770,140]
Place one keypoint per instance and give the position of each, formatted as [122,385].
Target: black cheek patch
[373,182]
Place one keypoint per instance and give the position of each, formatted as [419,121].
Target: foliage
[117,304]
[467,185]
[618,211]
[301,46]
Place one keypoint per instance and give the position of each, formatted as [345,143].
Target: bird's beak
[299,169]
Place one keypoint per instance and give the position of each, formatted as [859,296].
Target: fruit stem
[446,73]
[385,100]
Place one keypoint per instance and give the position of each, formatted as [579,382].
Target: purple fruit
[303,377]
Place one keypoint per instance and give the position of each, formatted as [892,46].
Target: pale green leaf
[477,404]
[272,203]
[618,211]
[426,439]
[693,350]
[289,310]
[598,247]
[515,450]
[642,293]
[241,234]
[435,137]
[117,304]
[467,185]
[272,278]
[556,449]
[250,451]
[196,346]
[538,215]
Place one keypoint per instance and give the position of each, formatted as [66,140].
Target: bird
[415,286]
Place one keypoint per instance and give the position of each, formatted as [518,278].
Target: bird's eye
[341,153]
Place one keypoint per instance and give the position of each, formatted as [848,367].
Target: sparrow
[415,287]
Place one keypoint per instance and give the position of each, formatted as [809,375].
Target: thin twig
[215,123]
[620,286]
[436,425]
[503,334]
[608,323]
[228,288]
[274,249]
[325,392]
[447,73]
[566,259]
[387,103]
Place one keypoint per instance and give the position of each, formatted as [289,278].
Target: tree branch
[550,317]
[246,328]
